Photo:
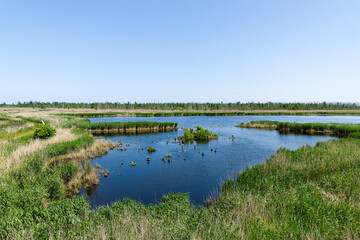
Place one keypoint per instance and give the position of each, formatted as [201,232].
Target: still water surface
[189,171]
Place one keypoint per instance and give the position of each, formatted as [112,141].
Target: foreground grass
[310,193]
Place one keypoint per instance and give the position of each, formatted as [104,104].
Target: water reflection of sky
[189,171]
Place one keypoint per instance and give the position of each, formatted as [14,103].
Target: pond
[198,169]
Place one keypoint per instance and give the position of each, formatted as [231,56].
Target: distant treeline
[192,106]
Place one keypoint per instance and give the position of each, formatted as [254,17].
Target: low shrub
[44,131]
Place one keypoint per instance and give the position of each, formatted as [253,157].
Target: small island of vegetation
[198,134]
[123,127]
[335,129]
[151,149]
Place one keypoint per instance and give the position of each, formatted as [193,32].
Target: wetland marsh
[154,184]
[189,171]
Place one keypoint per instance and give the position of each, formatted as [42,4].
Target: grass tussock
[87,177]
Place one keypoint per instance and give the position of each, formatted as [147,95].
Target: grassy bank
[124,127]
[336,129]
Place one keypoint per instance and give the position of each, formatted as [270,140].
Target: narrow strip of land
[336,129]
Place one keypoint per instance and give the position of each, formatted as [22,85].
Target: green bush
[199,134]
[44,131]
[151,149]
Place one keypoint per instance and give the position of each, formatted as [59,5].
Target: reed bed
[124,127]
[336,129]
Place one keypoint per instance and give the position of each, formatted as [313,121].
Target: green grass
[355,135]
[11,145]
[24,132]
[310,193]
[313,192]
[337,129]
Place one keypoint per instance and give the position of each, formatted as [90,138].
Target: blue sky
[180,51]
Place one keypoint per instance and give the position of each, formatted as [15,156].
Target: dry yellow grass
[98,149]
[84,177]
[13,113]
[16,158]
[16,128]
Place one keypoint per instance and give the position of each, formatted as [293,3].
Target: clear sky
[180,51]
